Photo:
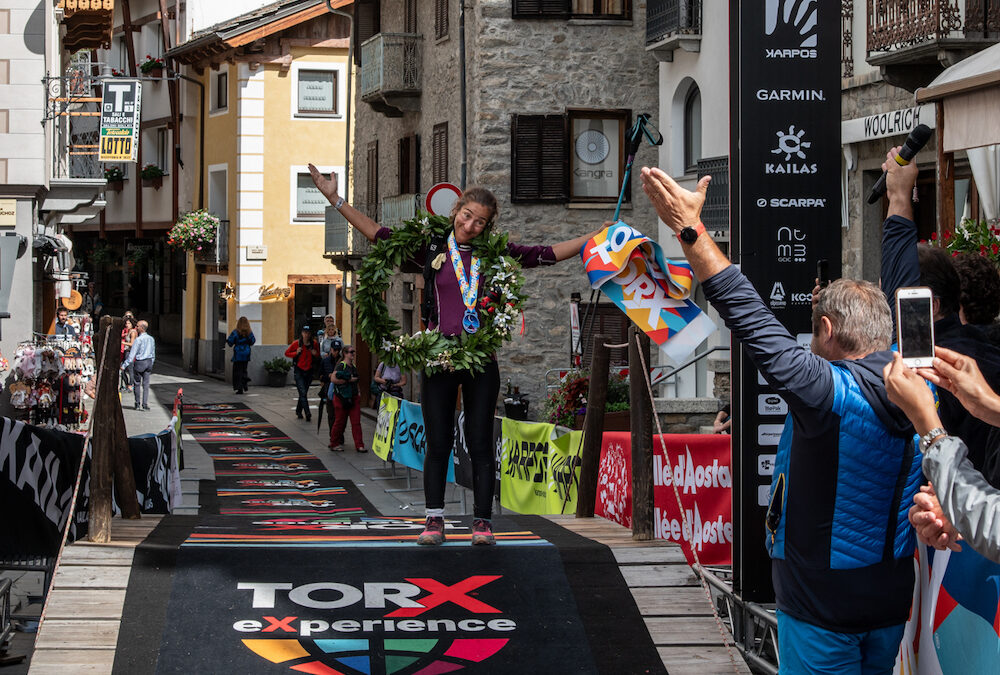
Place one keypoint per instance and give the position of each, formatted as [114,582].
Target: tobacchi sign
[120,106]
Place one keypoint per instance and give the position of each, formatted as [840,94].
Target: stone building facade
[514,67]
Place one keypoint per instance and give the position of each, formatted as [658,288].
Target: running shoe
[482,533]
[433,534]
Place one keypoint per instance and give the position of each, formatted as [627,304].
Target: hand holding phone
[915,326]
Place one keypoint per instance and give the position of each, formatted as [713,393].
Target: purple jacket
[450,306]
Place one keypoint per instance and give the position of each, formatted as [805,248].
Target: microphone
[914,142]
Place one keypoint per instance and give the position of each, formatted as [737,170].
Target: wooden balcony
[912,41]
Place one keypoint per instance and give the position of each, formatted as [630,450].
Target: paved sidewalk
[277,405]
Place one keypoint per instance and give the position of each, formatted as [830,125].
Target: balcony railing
[73,104]
[216,253]
[895,24]
[672,17]
[391,69]
[715,212]
[397,209]
[344,245]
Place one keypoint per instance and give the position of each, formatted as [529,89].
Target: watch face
[689,235]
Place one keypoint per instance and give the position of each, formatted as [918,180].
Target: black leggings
[438,394]
[240,375]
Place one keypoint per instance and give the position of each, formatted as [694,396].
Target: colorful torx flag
[654,292]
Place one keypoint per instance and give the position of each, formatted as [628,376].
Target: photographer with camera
[389,380]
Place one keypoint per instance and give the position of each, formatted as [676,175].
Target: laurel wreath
[499,305]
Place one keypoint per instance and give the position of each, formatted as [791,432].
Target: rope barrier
[685,526]
[76,488]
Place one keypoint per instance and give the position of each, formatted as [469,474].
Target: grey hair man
[847,465]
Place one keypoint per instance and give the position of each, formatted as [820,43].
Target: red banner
[700,466]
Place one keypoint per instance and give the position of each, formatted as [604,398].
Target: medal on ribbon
[469,286]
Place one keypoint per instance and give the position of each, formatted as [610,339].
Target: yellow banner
[385,426]
[538,473]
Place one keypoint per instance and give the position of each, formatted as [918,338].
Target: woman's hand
[930,523]
[324,184]
[907,390]
[961,376]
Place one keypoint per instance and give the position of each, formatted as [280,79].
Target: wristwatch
[340,202]
[689,235]
[928,438]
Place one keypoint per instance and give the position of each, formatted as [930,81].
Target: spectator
[980,300]
[92,303]
[328,335]
[723,422]
[63,327]
[345,403]
[141,357]
[905,263]
[958,503]
[241,340]
[303,352]
[845,470]
[390,380]
[333,355]
[129,334]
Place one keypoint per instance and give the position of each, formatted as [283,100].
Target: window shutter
[439,154]
[366,19]
[440,18]
[372,182]
[541,164]
[540,9]
[409,165]
[410,16]
[604,319]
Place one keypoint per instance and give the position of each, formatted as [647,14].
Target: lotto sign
[120,108]
[654,293]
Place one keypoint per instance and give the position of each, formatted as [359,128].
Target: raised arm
[900,267]
[571,247]
[363,223]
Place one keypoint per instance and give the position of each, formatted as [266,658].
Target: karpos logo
[385,639]
[791,25]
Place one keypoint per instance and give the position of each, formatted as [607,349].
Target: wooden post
[593,428]
[642,436]
[944,178]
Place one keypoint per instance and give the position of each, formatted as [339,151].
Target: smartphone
[915,326]
[823,272]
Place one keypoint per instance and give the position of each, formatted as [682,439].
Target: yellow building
[275,85]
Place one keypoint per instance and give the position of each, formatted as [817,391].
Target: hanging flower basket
[152,176]
[115,178]
[194,231]
[152,66]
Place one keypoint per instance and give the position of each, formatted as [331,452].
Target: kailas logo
[791,245]
[792,26]
[792,145]
[312,639]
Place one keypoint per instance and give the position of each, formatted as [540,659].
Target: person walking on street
[332,356]
[328,334]
[304,353]
[141,357]
[345,403]
[129,334]
[241,340]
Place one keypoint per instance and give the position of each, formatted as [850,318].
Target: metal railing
[754,627]
[671,17]
[6,625]
[396,210]
[715,212]
[982,18]
[72,108]
[216,253]
[894,24]
[390,64]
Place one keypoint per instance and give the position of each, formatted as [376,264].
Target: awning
[970,92]
[88,24]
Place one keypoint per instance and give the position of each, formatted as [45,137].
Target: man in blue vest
[847,465]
